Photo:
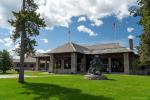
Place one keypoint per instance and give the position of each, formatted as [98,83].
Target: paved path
[16,76]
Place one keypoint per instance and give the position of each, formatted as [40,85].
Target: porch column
[74,62]
[45,65]
[126,63]
[51,64]
[83,69]
[109,64]
[37,64]
[62,64]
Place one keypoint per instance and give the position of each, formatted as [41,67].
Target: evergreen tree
[0,60]
[27,24]
[144,49]
[6,61]
[144,12]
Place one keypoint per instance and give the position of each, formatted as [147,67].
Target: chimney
[130,38]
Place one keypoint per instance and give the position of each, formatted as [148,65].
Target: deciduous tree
[5,62]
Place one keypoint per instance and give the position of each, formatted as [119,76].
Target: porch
[80,63]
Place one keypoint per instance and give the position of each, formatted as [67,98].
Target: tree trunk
[22,52]
[4,71]
[21,70]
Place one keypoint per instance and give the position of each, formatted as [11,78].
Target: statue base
[95,77]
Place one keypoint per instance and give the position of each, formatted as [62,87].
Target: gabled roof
[69,47]
[106,49]
[93,49]
[104,46]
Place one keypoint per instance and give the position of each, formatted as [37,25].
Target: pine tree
[144,49]
[144,12]
[27,24]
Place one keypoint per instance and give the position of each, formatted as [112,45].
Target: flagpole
[115,32]
[69,37]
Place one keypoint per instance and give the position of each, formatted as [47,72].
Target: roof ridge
[72,46]
[101,44]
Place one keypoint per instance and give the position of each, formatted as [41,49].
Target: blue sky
[89,23]
[106,34]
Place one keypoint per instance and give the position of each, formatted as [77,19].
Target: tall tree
[144,49]
[27,24]
[6,61]
[144,12]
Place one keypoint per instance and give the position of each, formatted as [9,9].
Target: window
[31,65]
[18,65]
[67,63]
[58,64]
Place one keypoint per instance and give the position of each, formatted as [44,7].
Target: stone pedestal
[95,77]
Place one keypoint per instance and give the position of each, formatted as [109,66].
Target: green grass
[75,87]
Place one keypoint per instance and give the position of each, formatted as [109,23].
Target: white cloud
[1,41]
[42,51]
[44,40]
[41,2]
[82,28]
[6,42]
[6,8]
[130,37]
[82,19]
[96,22]
[60,12]
[17,46]
[11,31]
[130,29]
[13,54]
[49,28]
[0,17]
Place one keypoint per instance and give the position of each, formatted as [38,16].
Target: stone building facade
[74,58]
[30,64]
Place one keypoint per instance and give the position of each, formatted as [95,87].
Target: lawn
[75,87]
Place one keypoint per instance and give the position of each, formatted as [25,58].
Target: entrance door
[117,65]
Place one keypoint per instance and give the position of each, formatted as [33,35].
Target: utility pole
[22,51]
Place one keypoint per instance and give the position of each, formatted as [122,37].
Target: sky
[89,21]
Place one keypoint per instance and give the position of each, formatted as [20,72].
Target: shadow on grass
[6,73]
[46,91]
